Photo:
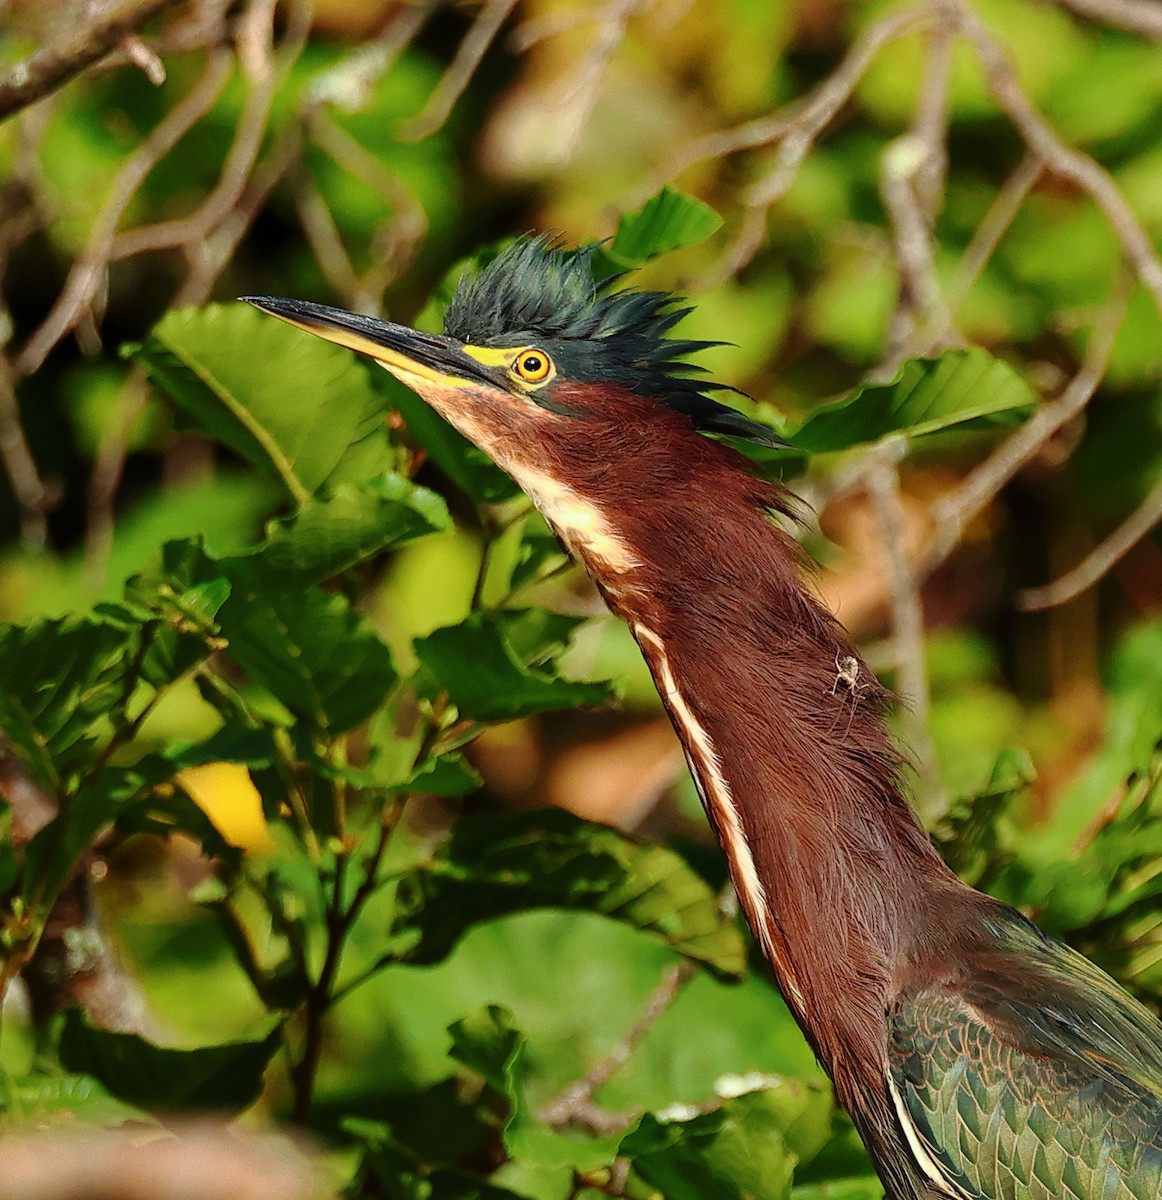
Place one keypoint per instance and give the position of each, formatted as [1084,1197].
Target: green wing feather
[1036,1078]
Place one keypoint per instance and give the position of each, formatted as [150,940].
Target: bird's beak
[407,353]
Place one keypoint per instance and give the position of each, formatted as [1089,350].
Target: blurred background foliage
[306,715]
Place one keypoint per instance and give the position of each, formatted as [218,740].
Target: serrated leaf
[310,649]
[494,667]
[671,220]
[330,534]
[959,387]
[223,1078]
[296,406]
[57,679]
[496,865]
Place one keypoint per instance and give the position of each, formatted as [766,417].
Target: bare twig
[954,511]
[989,233]
[575,95]
[574,1106]
[254,56]
[798,134]
[883,482]
[912,185]
[1062,160]
[350,83]
[1138,16]
[456,78]
[1100,560]
[89,270]
[27,485]
[53,66]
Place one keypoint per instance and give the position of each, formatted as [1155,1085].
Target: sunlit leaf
[296,406]
[509,656]
[67,1101]
[671,220]
[961,386]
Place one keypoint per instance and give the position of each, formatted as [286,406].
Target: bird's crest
[537,290]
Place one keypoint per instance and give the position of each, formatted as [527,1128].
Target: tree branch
[574,1106]
[1138,16]
[1100,560]
[962,505]
[1063,160]
[883,482]
[53,66]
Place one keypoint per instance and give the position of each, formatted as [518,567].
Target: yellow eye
[533,366]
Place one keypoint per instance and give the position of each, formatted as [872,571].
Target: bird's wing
[1037,1078]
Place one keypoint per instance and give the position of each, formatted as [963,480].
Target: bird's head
[567,381]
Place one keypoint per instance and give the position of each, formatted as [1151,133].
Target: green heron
[977,1056]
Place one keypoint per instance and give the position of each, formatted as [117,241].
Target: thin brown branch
[1062,160]
[574,1107]
[1099,561]
[456,78]
[32,496]
[576,94]
[1138,16]
[992,229]
[955,511]
[883,482]
[53,66]
[912,185]
[255,33]
[350,83]
[797,135]
[88,272]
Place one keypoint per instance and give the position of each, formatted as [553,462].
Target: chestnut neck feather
[793,717]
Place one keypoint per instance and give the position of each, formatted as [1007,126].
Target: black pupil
[532,364]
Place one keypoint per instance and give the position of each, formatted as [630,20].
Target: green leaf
[394,1171]
[668,221]
[310,649]
[494,667]
[333,533]
[57,680]
[296,406]
[488,1043]
[67,1101]
[496,865]
[223,1078]
[448,775]
[737,1150]
[959,387]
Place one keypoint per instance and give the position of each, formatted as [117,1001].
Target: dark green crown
[537,291]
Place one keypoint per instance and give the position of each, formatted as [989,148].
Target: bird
[978,1057]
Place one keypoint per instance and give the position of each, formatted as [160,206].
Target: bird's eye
[532,366]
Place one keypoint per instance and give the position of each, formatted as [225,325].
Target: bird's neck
[783,728]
